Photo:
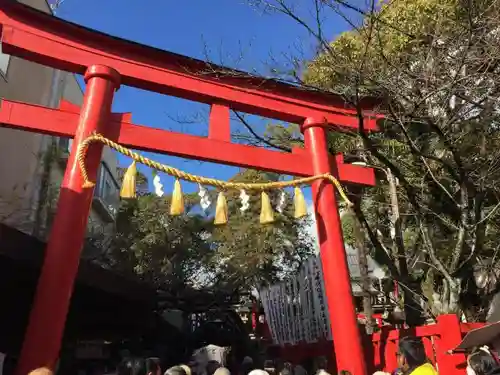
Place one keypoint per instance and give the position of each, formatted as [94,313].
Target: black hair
[212,366]
[138,366]
[481,362]
[247,367]
[412,348]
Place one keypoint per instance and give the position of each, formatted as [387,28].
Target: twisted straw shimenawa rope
[94,138]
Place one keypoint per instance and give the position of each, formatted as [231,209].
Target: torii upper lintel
[50,41]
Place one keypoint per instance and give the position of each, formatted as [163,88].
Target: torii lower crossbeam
[63,122]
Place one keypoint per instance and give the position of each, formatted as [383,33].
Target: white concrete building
[32,165]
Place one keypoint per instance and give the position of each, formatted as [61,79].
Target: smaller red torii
[107,62]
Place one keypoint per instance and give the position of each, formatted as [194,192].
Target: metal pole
[42,341]
[343,320]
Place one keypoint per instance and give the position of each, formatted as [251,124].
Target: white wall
[21,153]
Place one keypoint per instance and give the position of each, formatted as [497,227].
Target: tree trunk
[364,274]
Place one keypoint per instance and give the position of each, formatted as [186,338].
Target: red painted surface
[63,122]
[55,286]
[450,336]
[50,41]
[343,320]
[38,37]
[380,349]
[219,124]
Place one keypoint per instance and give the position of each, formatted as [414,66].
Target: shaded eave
[21,247]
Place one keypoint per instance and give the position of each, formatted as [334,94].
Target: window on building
[4,62]
[107,189]
[65,144]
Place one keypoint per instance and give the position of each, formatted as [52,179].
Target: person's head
[186,368]
[247,361]
[247,365]
[175,370]
[139,366]
[480,362]
[320,363]
[299,370]
[222,371]
[41,371]
[286,371]
[411,353]
[212,366]
[269,366]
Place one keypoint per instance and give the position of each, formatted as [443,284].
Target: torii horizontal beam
[50,41]
[216,148]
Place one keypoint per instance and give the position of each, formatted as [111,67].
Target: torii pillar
[343,320]
[62,255]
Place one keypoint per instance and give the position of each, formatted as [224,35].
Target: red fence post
[346,336]
[450,336]
[42,341]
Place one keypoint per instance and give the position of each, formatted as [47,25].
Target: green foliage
[385,39]
[189,251]
[161,249]
[348,229]
[252,254]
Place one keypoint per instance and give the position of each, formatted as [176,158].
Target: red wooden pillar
[346,337]
[45,330]
[450,336]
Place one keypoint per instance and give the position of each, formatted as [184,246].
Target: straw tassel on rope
[266,210]
[299,203]
[221,213]
[177,203]
[129,181]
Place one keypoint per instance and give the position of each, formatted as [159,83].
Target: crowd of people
[411,360]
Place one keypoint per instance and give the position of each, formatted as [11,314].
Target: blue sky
[229,31]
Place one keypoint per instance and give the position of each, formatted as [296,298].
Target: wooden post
[450,336]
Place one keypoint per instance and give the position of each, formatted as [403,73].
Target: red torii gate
[106,62]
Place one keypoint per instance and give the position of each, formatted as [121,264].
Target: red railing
[381,347]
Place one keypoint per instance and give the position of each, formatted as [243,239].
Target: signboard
[296,309]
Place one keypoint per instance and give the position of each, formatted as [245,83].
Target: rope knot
[88,184]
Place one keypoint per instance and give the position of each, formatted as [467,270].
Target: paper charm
[282,202]
[158,185]
[204,198]
[244,201]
